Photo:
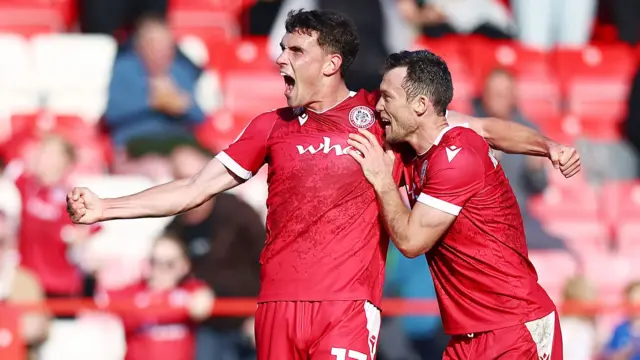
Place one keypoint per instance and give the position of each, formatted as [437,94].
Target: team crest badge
[423,172]
[362,117]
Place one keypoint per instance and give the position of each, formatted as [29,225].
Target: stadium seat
[539,98]
[450,48]
[487,55]
[208,93]
[210,26]
[228,6]
[628,238]
[577,201]
[594,62]
[219,130]
[195,49]
[620,201]
[596,83]
[611,273]
[581,236]
[247,54]
[554,267]
[463,94]
[248,94]
[16,66]
[29,20]
[73,63]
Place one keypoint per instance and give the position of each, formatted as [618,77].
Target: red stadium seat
[247,54]
[463,94]
[210,26]
[582,236]
[575,200]
[449,49]
[539,97]
[594,62]
[486,55]
[30,20]
[219,130]
[554,267]
[596,83]
[628,238]
[228,6]
[621,201]
[610,272]
[250,93]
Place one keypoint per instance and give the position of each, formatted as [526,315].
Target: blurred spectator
[632,122]
[108,16]
[626,14]
[543,24]
[625,342]
[579,329]
[10,204]
[151,103]
[437,18]
[169,334]
[380,30]
[47,237]
[526,174]
[258,18]
[411,279]
[19,286]
[224,237]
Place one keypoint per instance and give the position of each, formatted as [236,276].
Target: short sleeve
[246,155]
[453,177]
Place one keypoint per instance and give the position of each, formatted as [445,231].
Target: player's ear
[333,64]
[420,104]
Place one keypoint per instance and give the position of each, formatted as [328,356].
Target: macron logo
[324,147]
[452,151]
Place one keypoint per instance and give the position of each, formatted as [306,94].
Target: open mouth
[386,123]
[289,83]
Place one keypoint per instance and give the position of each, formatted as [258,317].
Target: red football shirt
[325,240]
[483,277]
[166,335]
[43,223]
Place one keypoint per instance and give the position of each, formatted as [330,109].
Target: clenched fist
[566,159]
[83,206]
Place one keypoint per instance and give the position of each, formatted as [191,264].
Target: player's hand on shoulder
[376,161]
[84,207]
[566,159]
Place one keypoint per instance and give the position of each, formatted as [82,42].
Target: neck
[427,134]
[329,95]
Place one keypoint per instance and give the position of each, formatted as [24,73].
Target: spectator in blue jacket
[625,342]
[151,95]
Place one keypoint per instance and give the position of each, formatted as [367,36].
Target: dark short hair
[427,74]
[336,32]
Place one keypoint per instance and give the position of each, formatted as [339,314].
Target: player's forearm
[396,217]
[514,138]
[163,200]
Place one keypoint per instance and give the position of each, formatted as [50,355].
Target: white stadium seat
[73,62]
[17,86]
[194,49]
[208,93]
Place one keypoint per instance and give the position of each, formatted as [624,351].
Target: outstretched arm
[514,138]
[168,199]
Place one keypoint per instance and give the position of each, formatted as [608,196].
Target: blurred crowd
[152,124]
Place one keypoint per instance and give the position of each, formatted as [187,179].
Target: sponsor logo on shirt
[362,117]
[325,147]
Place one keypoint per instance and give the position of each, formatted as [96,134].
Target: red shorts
[536,340]
[327,330]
